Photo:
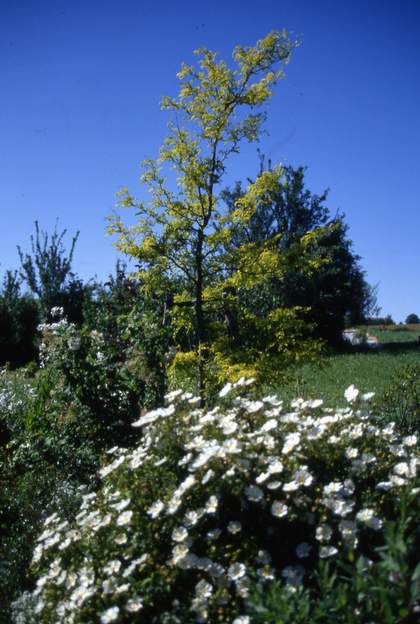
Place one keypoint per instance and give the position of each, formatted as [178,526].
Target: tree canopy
[412,319]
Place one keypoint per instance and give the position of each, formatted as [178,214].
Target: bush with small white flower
[214,503]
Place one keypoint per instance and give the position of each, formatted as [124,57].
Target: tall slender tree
[180,234]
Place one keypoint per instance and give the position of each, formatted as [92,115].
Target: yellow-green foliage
[265,348]
[268,346]
[183,235]
[182,369]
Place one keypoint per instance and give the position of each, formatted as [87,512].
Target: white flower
[396,481]
[269,425]
[315,403]
[191,518]
[266,573]
[327,551]
[303,477]
[352,453]
[410,440]
[211,505]
[315,433]
[214,534]
[236,571]
[152,416]
[134,564]
[124,518]
[134,605]
[384,485]
[225,390]
[274,485]
[121,505]
[244,382]
[253,406]
[174,504]
[323,533]
[81,594]
[229,428]
[242,619]
[279,509]
[209,474]
[172,395]
[112,567]
[203,589]
[338,506]
[351,394]
[262,477]
[155,509]
[57,311]
[179,552]
[120,539]
[111,467]
[368,517]
[186,484]
[110,615]
[234,527]
[232,446]
[402,469]
[291,441]
[368,396]
[179,534]
[71,580]
[275,467]
[254,493]
[348,529]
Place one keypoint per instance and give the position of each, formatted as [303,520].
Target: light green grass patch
[368,371]
[394,333]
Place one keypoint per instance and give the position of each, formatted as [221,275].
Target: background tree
[181,235]
[19,317]
[412,319]
[48,274]
[337,291]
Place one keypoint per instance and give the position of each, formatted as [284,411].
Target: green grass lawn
[370,371]
[394,333]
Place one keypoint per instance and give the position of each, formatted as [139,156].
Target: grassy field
[370,371]
[387,334]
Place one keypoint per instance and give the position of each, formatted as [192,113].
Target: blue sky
[81,82]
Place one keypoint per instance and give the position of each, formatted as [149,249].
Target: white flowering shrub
[212,502]
[16,391]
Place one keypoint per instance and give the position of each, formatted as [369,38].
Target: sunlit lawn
[394,333]
[369,371]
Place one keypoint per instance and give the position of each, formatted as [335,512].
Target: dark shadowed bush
[401,401]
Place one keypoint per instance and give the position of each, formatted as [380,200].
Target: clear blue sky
[81,82]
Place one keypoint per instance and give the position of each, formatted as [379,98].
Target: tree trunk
[199,320]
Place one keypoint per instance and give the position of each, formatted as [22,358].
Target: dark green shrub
[19,317]
[46,453]
[401,401]
[353,589]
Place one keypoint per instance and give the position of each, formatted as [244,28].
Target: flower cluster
[14,397]
[211,501]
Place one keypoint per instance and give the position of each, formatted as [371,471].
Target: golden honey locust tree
[182,234]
